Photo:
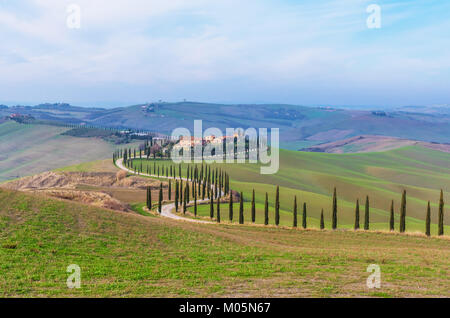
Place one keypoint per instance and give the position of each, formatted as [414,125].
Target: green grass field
[311,176]
[31,149]
[131,255]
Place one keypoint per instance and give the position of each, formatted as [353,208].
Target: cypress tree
[357,215]
[266,210]
[322,222]
[294,223]
[366,214]
[195,203]
[211,208]
[441,215]
[241,210]
[176,196]
[230,208]
[185,199]
[253,207]
[187,192]
[160,198]
[170,190]
[334,216]
[149,198]
[428,221]
[304,216]
[277,206]
[203,190]
[218,211]
[391,219]
[403,213]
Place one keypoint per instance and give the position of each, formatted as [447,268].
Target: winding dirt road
[167,209]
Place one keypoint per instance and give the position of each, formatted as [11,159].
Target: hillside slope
[422,172]
[31,149]
[125,255]
[368,143]
[299,126]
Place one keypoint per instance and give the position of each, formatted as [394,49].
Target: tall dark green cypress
[230,208]
[182,192]
[218,211]
[188,194]
[294,223]
[322,222]
[266,210]
[211,208]
[203,190]
[177,196]
[366,214]
[334,215]
[357,215]
[149,198]
[241,209]
[160,199]
[185,199]
[277,206]
[428,221]
[391,218]
[253,207]
[441,215]
[304,216]
[170,190]
[403,213]
[195,203]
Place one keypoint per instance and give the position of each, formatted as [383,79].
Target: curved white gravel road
[167,209]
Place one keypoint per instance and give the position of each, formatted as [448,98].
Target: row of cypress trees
[183,194]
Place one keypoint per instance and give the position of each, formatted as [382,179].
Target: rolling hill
[422,172]
[372,144]
[300,126]
[129,255]
[31,149]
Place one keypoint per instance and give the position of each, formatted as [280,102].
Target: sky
[318,52]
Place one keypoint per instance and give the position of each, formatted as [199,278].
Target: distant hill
[30,149]
[368,143]
[298,124]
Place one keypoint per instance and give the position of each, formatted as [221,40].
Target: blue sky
[259,51]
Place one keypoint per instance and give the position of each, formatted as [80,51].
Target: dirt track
[167,209]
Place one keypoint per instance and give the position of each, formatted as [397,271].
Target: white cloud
[177,43]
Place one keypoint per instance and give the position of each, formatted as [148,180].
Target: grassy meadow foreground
[126,254]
